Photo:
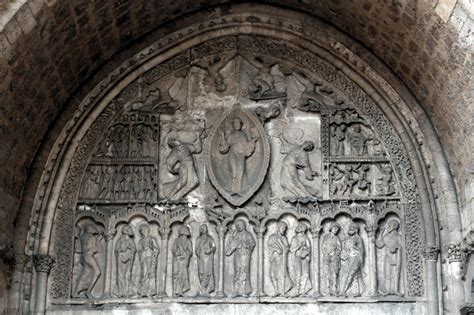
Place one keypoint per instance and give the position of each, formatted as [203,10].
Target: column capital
[43,262]
[431,252]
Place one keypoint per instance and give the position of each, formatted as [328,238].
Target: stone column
[431,255]
[19,262]
[260,256]
[454,275]
[372,260]
[109,240]
[221,255]
[165,235]
[43,264]
[315,259]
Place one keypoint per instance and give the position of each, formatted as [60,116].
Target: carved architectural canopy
[238,167]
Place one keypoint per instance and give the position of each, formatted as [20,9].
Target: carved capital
[371,229]
[221,230]
[260,232]
[431,253]
[165,233]
[454,252]
[43,263]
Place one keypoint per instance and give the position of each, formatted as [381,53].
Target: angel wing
[279,78]
[294,91]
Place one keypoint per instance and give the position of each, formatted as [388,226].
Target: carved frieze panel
[249,172]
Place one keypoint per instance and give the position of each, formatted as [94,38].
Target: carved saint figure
[241,244]
[390,240]
[182,251]
[142,141]
[352,255]
[148,251]
[180,162]
[386,183]
[125,251]
[357,140]
[331,248]
[300,248]
[106,182]
[363,183]
[205,250]
[339,135]
[236,145]
[89,239]
[348,180]
[296,159]
[335,176]
[279,249]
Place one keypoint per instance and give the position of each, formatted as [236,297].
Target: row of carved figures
[361,179]
[354,140]
[124,141]
[342,261]
[119,182]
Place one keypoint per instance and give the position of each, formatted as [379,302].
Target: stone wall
[48,49]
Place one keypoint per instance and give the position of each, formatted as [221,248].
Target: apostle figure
[279,249]
[125,251]
[241,244]
[353,253]
[180,162]
[148,251]
[89,239]
[300,248]
[182,251]
[205,250]
[331,248]
[238,147]
[390,240]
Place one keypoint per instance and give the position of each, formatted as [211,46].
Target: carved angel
[296,159]
[180,162]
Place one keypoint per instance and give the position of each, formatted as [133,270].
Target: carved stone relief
[240,245]
[238,156]
[240,175]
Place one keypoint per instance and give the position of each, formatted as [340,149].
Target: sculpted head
[334,228]
[301,228]
[353,229]
[127,230]
[184,231]
[90,228]
[237,123]
[173,142]
[282,227]
[240,225]
[393,225]
[357,128]
[144,230]
[308,146]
